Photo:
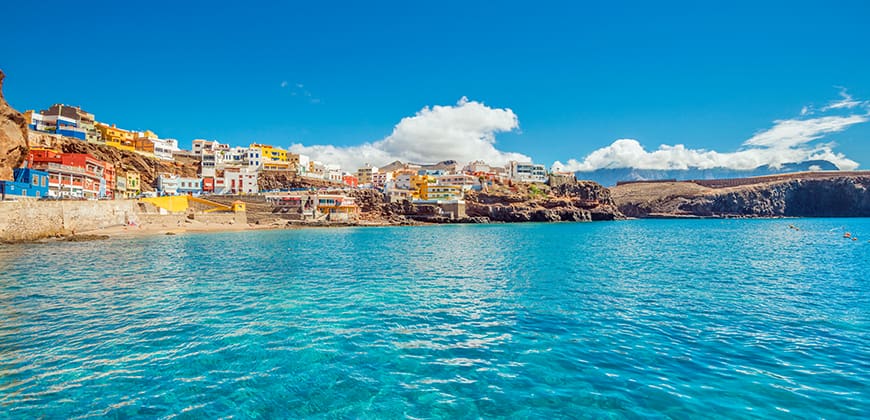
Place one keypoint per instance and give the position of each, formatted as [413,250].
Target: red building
[350,180]
[208,185]
[79,175]
[109,176]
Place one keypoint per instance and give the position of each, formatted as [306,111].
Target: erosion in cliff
[13,136]
[519,202]
[829,194]
[276,180]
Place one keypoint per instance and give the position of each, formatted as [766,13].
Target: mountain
[443,165]
[609,177]
[13,137]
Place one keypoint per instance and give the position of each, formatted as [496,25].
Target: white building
[191,186]
[403,181]
[168,184]
[461,180]
[240,180]
[333,172]
[304,163]
[201,146]
[243,157]
[164,148]
[527,172]
[478,166]
[380,179]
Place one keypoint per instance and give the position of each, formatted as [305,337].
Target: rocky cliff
[518,202]
[795,195]
[276,180]
[583,201]
[13,137]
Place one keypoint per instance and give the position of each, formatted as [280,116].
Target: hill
[610,177]
[805,194]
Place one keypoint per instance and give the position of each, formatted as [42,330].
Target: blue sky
[577,76]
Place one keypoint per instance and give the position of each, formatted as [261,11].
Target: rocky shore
[582,201]
[828,194]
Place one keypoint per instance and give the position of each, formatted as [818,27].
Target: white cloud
[788,141]
[463,132]
[790,133]
[845,102]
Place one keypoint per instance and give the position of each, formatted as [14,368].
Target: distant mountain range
[443,165]
[609,177]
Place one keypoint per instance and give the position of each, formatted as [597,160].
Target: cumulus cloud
[463,132]
[787,141]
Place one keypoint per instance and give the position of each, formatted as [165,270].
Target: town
[50,173]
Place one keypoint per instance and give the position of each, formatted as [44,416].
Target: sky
[586,85]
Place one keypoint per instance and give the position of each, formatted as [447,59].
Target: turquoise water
[655,318]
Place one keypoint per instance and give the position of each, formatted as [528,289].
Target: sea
[628,319]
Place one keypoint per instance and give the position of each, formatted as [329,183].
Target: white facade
[304,162]
[191,186]
[403,181]
[333,173]
[527,172]
[461,180]
[168,184]
[164,148]
[380,179]
[200,146]
[478,166]
[239,181]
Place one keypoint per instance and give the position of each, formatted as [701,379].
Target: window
[35,180]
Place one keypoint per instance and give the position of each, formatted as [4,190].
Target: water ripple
[636,319]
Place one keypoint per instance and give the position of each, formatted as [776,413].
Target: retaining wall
[26,220]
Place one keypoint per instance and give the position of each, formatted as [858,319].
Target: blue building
[28,183]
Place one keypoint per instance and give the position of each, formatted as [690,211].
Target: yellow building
[440,192]
[117,137]
[274,158]
[418,182]
[133,187]
[271,153]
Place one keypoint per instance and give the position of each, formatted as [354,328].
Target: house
[527,172]
[71,174]
[27,182]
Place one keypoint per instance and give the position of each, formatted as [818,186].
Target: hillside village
[72,156]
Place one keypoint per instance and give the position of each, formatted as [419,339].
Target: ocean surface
[634,319]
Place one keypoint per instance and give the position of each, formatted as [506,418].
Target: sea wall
[181,220]
[27,220]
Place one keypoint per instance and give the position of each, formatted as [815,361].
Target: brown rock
[13,137]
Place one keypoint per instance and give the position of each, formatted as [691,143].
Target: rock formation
[582,201]
[797,195]
[276,180]
[13,137]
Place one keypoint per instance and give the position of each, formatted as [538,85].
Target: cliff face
[13,137]
[273,180]
[800,196]
[149,168]
[583,201]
